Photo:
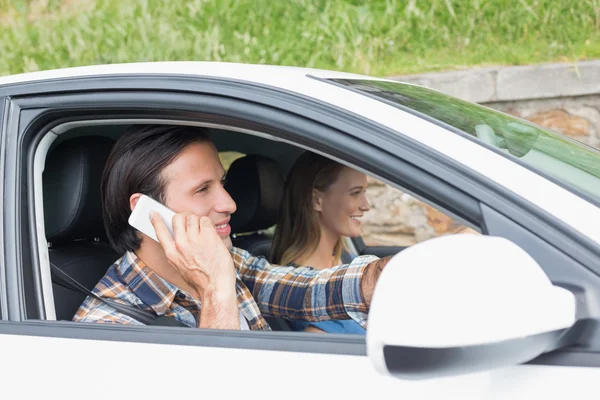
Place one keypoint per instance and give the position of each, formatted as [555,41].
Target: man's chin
[227,242]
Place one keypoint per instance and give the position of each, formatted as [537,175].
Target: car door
[249,363]
[274,357]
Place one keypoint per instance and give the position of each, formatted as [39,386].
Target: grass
[377,37]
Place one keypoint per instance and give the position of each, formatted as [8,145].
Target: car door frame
[323,128]
[3,287]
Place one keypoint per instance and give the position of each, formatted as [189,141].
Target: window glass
[228,157]
[573,163]
[398,219]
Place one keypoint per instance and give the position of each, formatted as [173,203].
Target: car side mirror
[463,303]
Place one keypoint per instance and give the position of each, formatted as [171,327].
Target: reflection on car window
[569,161]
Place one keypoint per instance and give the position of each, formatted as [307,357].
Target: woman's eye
[224,182]
[202,189]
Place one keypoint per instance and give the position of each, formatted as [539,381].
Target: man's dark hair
[134,165]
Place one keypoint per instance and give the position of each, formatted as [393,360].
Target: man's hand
[370,277]
[199,255]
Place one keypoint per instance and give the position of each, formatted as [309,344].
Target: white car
[509,313]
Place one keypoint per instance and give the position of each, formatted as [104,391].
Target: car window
[571,162]
[399,219]
[228,157]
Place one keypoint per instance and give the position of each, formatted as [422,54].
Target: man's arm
[309,294]
[370,277]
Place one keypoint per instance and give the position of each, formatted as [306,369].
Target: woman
[323,202]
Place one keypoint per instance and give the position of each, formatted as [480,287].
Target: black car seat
[256,185]
[73,216]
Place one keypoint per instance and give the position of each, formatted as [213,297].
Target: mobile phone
[140,216]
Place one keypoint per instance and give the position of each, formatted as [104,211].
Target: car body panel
[146,370]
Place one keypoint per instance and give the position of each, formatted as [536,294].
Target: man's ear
[133,199]
[317,201]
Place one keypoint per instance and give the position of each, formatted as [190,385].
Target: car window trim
[4,314]
[343,344]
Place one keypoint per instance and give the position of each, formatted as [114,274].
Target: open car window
[253,223]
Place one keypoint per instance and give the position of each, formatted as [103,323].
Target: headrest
[71,182]
[256,185]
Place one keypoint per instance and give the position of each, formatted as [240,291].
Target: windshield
[571,162]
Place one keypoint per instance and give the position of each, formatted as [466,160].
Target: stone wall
[577,117]
[562,97]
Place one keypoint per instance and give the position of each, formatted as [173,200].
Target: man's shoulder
[111,286]
[241,256]
[249,263]
[95,311]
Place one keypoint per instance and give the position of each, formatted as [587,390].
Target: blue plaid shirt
[301,293]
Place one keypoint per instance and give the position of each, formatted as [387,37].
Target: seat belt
[145,317]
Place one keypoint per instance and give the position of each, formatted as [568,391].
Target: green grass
[377,37]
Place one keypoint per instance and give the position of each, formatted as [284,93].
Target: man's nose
[225,203]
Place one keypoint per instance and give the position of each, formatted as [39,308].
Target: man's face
[195,184]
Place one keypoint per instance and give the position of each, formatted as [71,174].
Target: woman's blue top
[333,326]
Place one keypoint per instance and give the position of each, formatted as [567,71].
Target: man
[196,276]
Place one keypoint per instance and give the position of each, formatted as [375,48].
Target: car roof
[258,73]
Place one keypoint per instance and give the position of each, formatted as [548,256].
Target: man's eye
[202,189]
[224,182]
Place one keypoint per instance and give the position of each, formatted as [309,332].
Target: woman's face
[343,203]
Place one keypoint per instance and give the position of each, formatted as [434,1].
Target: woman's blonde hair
[298,232]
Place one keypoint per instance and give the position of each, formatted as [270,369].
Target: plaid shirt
[301,293]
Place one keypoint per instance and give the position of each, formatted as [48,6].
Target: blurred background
[537,59]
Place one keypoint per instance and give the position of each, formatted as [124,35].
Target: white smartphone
[140,216]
